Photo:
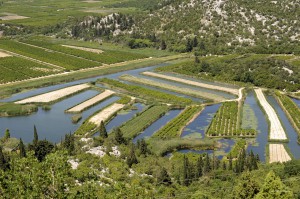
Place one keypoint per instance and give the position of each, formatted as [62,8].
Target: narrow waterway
[155,126]
[53,124]
[291,133]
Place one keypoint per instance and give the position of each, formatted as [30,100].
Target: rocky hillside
[219,26]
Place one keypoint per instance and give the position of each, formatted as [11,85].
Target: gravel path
[278,153]
[91,102]
[106,113]
[193,83]
[54,95]
[276,130]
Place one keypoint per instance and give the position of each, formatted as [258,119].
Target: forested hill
[220,25]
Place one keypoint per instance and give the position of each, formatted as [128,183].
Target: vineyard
[144,119]
[16,69]
[178,89]
[146,93]
[173,128]
[107,57]
[225,121]
[291,109]
[66,61]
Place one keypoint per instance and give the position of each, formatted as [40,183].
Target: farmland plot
[193,83]
[68,62]
[174,127]
[278,153]
[106,113]
[170,87]
[16,69]
[225,122]
[276,130]
[91,102]
[54,95]
[139,123]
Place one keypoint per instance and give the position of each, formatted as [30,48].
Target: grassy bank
[12,109]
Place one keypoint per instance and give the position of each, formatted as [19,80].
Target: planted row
[144,119]
[107,57]
[174,127]
[224,123]
[66,61]
[16,68]
[146,93]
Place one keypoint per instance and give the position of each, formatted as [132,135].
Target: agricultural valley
[149,99]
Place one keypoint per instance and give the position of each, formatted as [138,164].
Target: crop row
[15,69]
[173,128]
[291,108]
[146,93]
[107,57]
[66,61]
[144,119]
[224,123]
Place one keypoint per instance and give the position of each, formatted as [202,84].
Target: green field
[16,68]
[48,13]
[106,57]
[173,128]
[66,61]
[224,123]
[139,123]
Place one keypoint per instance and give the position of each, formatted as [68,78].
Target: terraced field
[106,113]
[170,87]
[194,83]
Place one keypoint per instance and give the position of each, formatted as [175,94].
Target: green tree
[119,138]
[35,136]
[43,148]
[2,160]
[185,173]
[22,149]
[199,168]
[131,159]
[274,188]
[230,162]
[7,134]
[246,188]
[163,177]
[207,166]
[102,130]
[143,147]
[69,143]
[163,45]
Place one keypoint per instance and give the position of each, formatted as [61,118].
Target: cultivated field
[54,95]
[276,130]
[91,102]
[193,83]
[98,51]
[225,122]
[106,113]
[187,91]
[278,153]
